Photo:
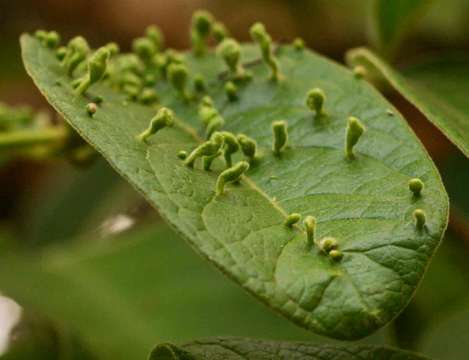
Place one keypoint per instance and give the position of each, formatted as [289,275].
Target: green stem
[25,138]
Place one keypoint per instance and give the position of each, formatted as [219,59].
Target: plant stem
[25,138]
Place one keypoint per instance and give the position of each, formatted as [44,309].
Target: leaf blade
[250,243]
[233,348]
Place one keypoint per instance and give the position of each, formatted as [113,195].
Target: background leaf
[435,87]
[365,203]
[119,296]
[51,217]
[391,19]
[250,349]
[447,338]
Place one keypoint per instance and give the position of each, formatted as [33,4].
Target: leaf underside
[438,88]
[365,203]
[232,348]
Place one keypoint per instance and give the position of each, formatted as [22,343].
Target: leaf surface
[437,88]
[365,203]
[232,348]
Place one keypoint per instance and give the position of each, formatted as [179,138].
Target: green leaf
[233,348]
[437,88]
[364,203]
[120,295]
[390,20]
[447,339]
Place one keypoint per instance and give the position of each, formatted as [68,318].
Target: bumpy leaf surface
[364,203]
[437,87]
[249,349]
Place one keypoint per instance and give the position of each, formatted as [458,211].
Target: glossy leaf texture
[232,348]
[364,203]
[436,87]
[390,21]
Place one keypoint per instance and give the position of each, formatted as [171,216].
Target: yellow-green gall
[97,65]
[231,91]
[260,35]
[327,244]
[298,44]
[248,146]
[231,146]
[219,31]
[154,33]
[200,85]
[113,48]
[420,218]
[177,76]
[208,148]
[148,96]
[130,78]
[310,228]
[182,154]
[163,118]
[40,35]
[149,79]
[98,99]
[292,219]
[416,186]
[144,48]
[230,175]
[280,136]
[202,22]
[50,39]
[214,124]
[77,50]
[207,110]
[359,71]
[354,131]
[61,52]
[129,63]
[131,90]
[91,108]
[336,255]
[315,101]
[230,50]
[208,160]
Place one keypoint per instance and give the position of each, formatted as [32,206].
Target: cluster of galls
[136,74]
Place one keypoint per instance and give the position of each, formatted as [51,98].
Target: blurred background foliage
[97,272]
